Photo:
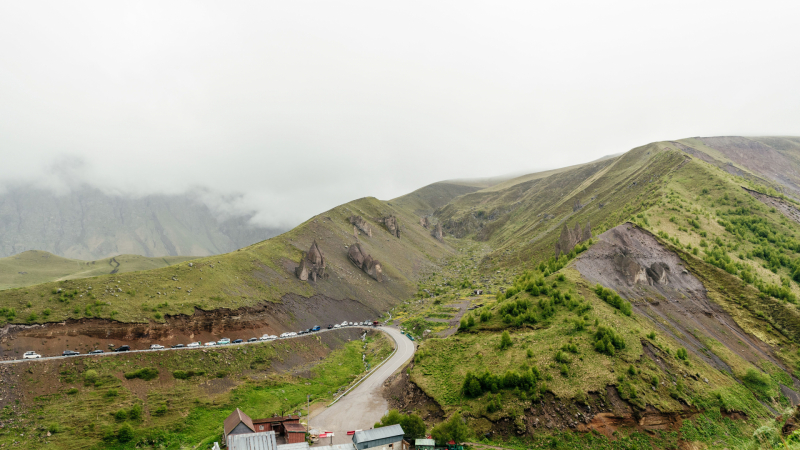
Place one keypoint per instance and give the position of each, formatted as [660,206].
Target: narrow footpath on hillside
[364,405]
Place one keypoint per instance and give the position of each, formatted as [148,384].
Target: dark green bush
[145,373]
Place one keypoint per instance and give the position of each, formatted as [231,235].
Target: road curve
[364,405]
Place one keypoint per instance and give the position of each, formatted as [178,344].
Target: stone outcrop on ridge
[312,265]
[363,261]
[359,223]
[570,238]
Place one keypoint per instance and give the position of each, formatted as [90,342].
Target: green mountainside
[667,319]
[36,267]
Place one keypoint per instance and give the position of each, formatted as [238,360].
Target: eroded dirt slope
[632,262]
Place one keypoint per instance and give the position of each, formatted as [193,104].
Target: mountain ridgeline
[644,300]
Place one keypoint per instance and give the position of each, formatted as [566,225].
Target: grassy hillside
[253,275]
[176,399]
[36,267]
[675,325]
[663,367]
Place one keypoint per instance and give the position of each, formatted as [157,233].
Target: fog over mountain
[89,224]
[277,111]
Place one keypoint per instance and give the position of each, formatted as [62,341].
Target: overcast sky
[301,106]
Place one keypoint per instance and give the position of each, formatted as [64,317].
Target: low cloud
[285,110]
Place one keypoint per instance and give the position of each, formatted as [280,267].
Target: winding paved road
[364,405]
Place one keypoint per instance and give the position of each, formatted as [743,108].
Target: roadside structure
[424,444]
[242,432]
[384,438]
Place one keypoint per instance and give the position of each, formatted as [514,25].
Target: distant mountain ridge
[89,224]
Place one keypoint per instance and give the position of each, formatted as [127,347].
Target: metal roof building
[337,447]
[384,437]
[252,441]
[296,446]
[424,443]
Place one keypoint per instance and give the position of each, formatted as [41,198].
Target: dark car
[70,353]
[178,346]
[123,348]
[252,340]
[238,341]
[95,352]
[330,327]
[316,328]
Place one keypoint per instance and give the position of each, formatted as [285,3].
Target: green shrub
[125,433]
[111,393]
[72,391]
[54,428]
[145,373]
[121,415]
[681,353]
[135,413]
[505,341]
[186,374]
[608,341]
[90,377]
[613,299]
[160,411]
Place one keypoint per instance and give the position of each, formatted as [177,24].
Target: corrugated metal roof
[253,441]
[297,446]
[234,419]
[425,442]
[378,433]
[348,446]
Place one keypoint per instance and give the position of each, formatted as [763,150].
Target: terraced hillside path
[364,405]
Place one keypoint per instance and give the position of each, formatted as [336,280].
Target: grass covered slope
[177,399]
[36,267]
[262,272]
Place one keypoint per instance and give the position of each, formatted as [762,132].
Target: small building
[296,446]
[424,444]
[253,441]
[384,438]
[478,292]
[237,423]
[294,432]
[275,423]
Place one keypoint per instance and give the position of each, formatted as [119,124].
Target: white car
[31,355]
[194,344]
[209,344]
[337,326]
[284,335]
[156,347]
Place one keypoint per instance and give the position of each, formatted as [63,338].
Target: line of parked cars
[223,341]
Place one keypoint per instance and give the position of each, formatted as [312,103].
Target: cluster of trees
[607,340]
[476,385]
[412,424]
[613,299]
[774,259]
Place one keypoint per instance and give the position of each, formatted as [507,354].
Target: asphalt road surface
[364,405]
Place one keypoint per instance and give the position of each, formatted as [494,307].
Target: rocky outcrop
[438,233]
[312,265]
[576,206]
[365,262]
[391,225]
[570,238]
[424,222]
[359,223]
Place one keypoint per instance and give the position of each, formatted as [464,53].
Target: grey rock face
[363,261]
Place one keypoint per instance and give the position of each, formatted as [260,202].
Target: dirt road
[364,405]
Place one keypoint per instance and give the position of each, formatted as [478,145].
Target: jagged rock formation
[570,238]
[424,222]
[363,261]
[312,265]
[576,205]
[391,225]
[438,233]
[359,223]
